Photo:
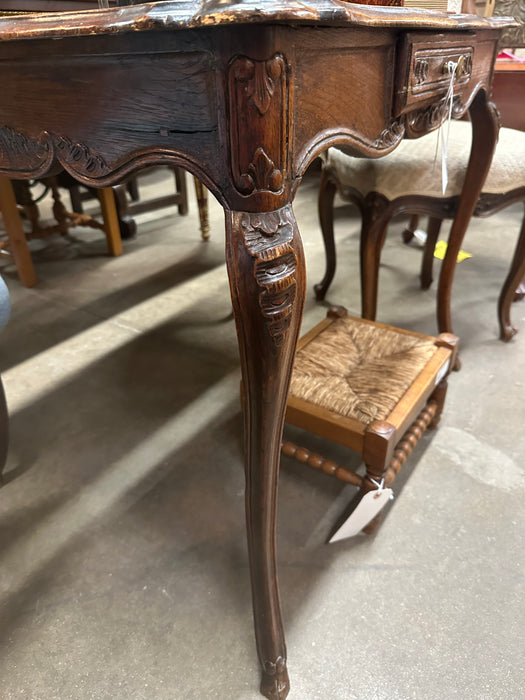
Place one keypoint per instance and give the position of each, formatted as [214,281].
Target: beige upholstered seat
[406,170]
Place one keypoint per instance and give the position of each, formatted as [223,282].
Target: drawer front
[430,73]
[424,70]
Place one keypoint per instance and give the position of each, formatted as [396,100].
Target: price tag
[367,509]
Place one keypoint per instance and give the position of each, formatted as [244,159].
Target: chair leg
[511,284]
[434,227]
[180,184]
[202,201]
[373,232]
[408,233]
[132,187]
[15,234]
[76,198]
[378,449]
[327,190]
[110,219]
[127,225]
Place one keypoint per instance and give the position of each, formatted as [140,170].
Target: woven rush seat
[370,387]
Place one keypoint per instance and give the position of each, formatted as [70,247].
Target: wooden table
[244,96]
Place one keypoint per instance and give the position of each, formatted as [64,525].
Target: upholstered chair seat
[406,170]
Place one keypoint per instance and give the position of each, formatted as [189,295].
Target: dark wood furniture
[370,387]
[508,93]
[244,96]
[406,182]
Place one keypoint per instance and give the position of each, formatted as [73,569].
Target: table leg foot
[275,684]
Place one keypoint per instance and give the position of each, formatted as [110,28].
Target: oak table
[245,96]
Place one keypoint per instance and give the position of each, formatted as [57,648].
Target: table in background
[509,93]
[244,96]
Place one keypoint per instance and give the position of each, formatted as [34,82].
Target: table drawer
[423,72]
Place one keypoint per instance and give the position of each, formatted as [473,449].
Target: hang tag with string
[453,68]
[365,511]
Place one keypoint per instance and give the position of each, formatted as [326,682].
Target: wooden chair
[129,203]
[370,387]
[16,244]
[406,182]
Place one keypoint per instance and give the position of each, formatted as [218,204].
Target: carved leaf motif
[90,162]
[263,173]
[28,153]
[390,136]
[262,87]
[268,238]
[258,97]
[32,154]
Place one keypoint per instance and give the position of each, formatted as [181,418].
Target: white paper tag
[443,371]
[366,510]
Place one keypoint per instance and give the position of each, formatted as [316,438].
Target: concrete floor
[123,559]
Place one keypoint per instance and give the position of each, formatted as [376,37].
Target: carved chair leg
[408,233]
[202,202]
[60,212]
[127,225]
[484,136]
[373,231]
[434,227]
[110,219]
[15,234]
[4,430]
[267,279]
[327,190]
[512,282]
[180,184]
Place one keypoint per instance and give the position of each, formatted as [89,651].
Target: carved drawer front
[425,69]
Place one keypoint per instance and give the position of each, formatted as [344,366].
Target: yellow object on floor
[441,249]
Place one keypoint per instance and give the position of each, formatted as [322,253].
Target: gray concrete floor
[123,559]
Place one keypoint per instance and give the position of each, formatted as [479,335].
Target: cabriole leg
[266,270]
